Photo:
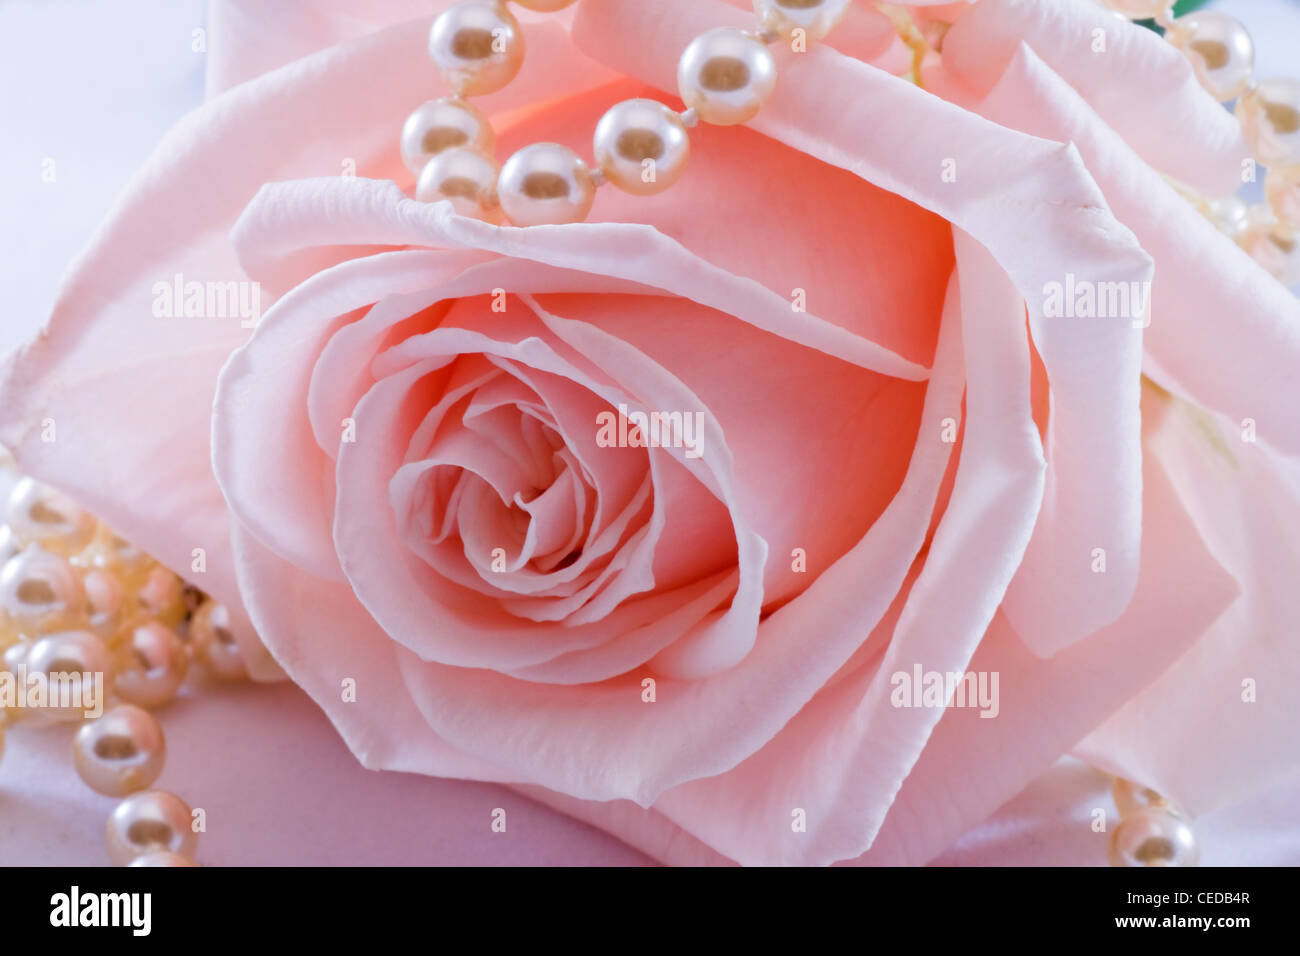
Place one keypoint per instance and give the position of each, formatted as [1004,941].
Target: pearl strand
[75,599]
[640,146]
[1222,54]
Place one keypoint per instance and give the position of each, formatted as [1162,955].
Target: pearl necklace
[89,623]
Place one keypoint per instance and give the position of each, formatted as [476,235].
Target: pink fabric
[350,467]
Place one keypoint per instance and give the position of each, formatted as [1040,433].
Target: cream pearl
[163,595]
[39,514]
[106,601]
[1277,248]
[1282,189]
[478,46]
[1270,119]
[1153,836]
[1140,9]
[545,184]
[468,180]
[544,6]
[121,752]
[151,666]
[150,822]
[726,76]
[214,643]
[444,124]
[161,858]
[1220,50]
[641,146]
[40,592]
[815,18]
[118,556]
[1130,797]
[65,658]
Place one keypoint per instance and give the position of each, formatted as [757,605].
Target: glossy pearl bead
[151,666]
[121,752]
[161,858]
[9,545]
[1282,189]
[545,184]
[468,180]
[1270,119]
[149,822]
[641,146]
[106,601]
[545,6]
[1140,9]
[40,591]
[110,553]
[1277,249]
[1229,214]
[726,76]
[815,18]
[1130,797]
[39,514]
[478,46]
[1219,49]
[1153,836]
[214,643]
[72,654]
[440,125]
[163,596]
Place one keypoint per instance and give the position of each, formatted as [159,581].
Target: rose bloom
[912,458]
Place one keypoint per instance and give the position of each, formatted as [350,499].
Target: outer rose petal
[1193,733]
[1170,121]
[1035,207]
[1240,368]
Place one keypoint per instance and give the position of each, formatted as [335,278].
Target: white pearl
[815,18]
[1153,836]
[1219,49]
[726,75]
[444,124]
[544,6]
[40,591]
[478,45]
[1130,797]
[1276,247]
[1140,9]
[67,657]
[161,858]
[151,666]
[214,643]
[545,184]
[39,514]
[149,822]
[9,545]
[641,146]
[1230,215]
[121,752]
[466,178]
[1282,189]
[1270,118]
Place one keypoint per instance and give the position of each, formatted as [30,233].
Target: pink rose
[897,453]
